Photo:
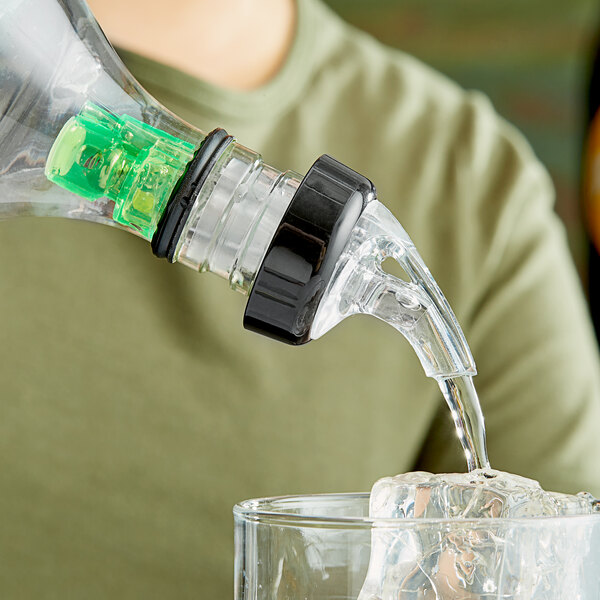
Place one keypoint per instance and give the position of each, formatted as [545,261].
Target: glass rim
[254,510]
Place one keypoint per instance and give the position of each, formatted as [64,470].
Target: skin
[234,44]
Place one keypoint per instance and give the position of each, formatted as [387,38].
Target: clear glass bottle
[81,139]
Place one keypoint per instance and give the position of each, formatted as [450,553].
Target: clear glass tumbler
[320,547]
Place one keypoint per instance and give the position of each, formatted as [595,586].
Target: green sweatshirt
[136,410]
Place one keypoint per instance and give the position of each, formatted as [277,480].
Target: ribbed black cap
[304,251]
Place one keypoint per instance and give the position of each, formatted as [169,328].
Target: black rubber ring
[165,239]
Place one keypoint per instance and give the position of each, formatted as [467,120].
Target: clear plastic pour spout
[416,307]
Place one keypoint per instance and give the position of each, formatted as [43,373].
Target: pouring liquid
[462,399]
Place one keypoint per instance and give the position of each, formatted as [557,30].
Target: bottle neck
[235,216]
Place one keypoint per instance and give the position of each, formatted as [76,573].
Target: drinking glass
[318,547]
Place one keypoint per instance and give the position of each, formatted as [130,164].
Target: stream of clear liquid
[462,399]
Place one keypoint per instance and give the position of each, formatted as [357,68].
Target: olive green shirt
[136,410]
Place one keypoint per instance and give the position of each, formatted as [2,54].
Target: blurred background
[531,57]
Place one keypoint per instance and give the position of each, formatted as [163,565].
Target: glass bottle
[81,139]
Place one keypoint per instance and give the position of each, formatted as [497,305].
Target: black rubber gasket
[304,251]
[165,239]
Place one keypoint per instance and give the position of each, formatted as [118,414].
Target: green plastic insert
[100,155]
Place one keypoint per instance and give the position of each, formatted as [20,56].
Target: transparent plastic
[416,307]
[319,548]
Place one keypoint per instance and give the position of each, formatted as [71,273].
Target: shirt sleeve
[527,321]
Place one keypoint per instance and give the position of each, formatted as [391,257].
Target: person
[137,410]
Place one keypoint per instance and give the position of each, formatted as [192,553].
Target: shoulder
[411,108]
[452,170]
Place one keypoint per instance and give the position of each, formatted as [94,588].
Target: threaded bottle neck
[235,216]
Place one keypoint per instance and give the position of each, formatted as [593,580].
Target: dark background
[531,57]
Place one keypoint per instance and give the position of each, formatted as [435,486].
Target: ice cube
[483,493]
[493,557]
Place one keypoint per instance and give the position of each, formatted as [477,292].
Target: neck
[235,44]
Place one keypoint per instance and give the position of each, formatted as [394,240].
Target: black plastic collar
[304,251]
[165,239]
